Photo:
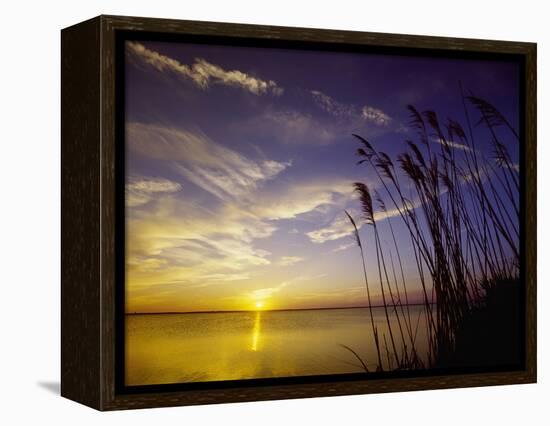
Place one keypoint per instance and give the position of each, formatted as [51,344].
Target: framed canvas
[254,212]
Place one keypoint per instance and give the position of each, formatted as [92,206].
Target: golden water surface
[197,347]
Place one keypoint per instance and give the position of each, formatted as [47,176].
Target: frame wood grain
[88,213]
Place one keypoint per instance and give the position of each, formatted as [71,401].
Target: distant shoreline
[269,310]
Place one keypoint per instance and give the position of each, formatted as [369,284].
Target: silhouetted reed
[461,213]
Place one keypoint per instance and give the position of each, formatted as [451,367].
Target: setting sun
[259,305]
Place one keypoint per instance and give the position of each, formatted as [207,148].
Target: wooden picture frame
[91,159]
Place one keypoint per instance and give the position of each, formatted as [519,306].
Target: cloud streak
[454,145]
[290,260]
[266,293]
[349,111]
[332,106]
[375,115]
[216,169]
[203,73]
[343,247]
[141,190]
[338,228]
[299,198]
[295,127]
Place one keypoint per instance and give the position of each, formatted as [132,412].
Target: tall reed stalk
[460,210]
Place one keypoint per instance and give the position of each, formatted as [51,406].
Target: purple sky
[240,163]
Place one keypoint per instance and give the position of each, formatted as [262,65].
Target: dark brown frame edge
[88,214]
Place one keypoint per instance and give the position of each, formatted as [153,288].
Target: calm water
[175,348]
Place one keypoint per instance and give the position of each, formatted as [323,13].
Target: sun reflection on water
[256,331]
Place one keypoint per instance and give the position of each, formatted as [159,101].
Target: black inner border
[121,36]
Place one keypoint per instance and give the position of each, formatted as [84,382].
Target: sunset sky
[240,164]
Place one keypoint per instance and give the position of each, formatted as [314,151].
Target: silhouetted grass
[461,213]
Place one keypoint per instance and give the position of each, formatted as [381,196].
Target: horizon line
[270,310]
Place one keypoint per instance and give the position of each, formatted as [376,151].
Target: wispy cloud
[203,73]
[332,106]
[225,277]
[147,265]
[340,227]
[290,260]
[295,127]
[349,111]
[175,241]
[141,190]
[343,247]
[299,198]
[454,145]
[216,169]
[266,293]
[375,115]
[332,121]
